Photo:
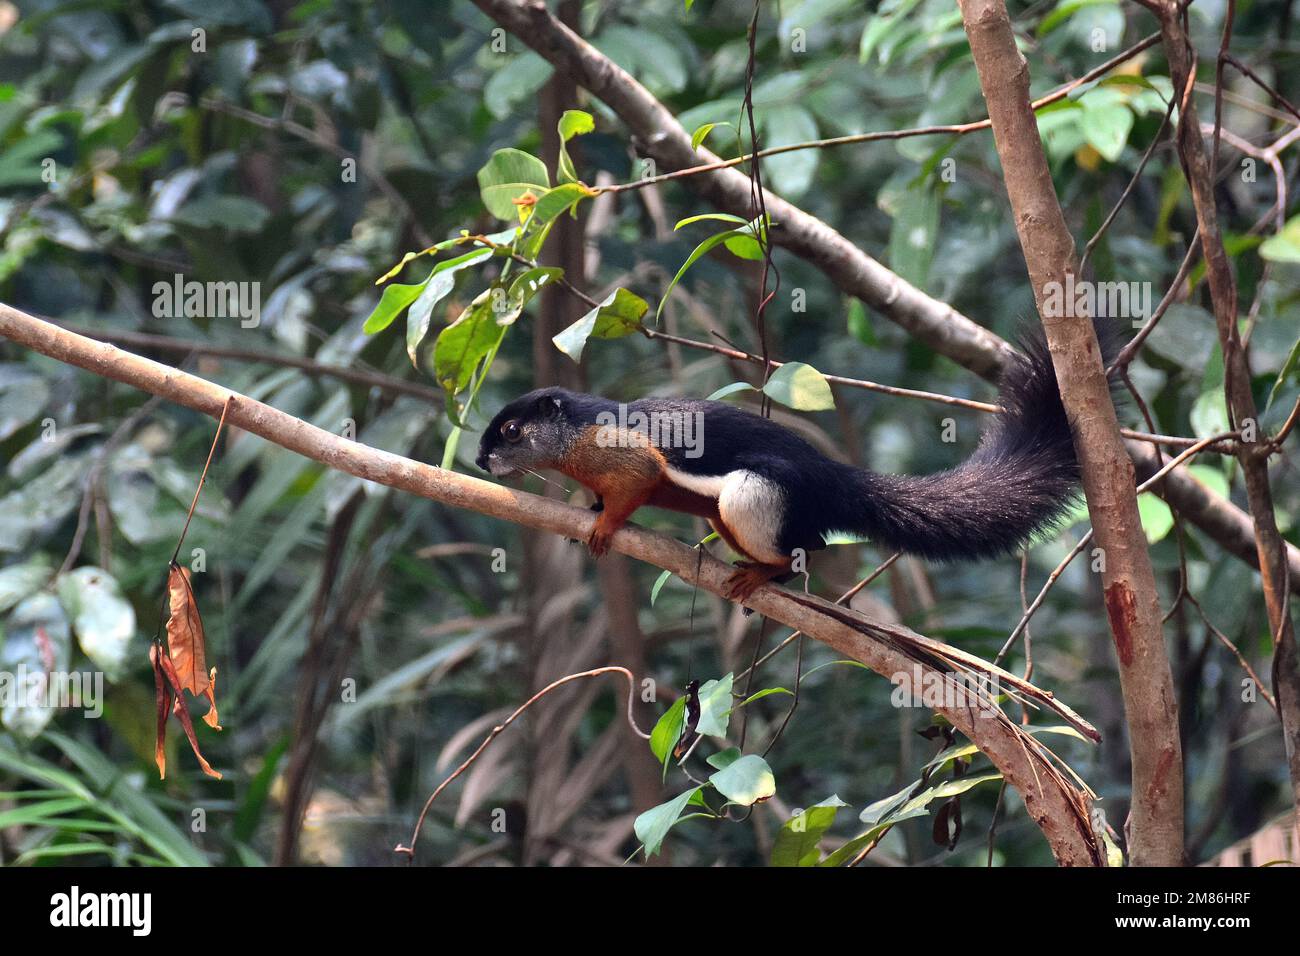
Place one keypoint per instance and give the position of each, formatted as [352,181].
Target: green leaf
[715,707]
[668,730]
[436,287]
[514,82]
[572,123]
[724,758]
[37,642]
[461,346]
[745,782]
[1157,519]
[711,216]
[765,692]
[396,297]
[652,826]
[555,202]
[1106,127]
[508,175]
[20,580]
[702,133]
[791,173]
[797,842]
[801,387]
[849,850]
[731,389]
[1288,367]
[659,586]
[701,250]
[618,315]
[1284,246]
[102,619]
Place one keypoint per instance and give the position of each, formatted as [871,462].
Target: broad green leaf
[877,811]
[555,202]
[724,758]
[37,641]
[461,346]
[1213,478]
[715,707]
[102,619]
[791,173]
[396,297]
[440,282]
[851,849]
[22,397]
[1284,246]
[618,315]
[1106,126]
[20,580]
[797,841]
[515,82]
[745,782]
[508,175]
[652,826]
[1288,367]
[801,387]
[668,730]
[1157,519]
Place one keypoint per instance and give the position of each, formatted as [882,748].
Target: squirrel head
[531,432]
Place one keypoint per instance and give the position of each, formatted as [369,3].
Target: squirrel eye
[511,431]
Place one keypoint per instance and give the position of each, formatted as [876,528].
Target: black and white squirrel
[768,492]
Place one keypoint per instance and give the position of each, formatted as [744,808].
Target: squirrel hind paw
[748,578]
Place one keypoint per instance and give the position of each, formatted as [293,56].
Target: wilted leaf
[185,642]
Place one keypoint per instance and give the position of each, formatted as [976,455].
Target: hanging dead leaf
[164,704]
[180,710]
[185,641]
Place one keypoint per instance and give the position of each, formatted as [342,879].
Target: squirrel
[768,493]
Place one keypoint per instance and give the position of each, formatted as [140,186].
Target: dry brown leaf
[164,705]
[185,632]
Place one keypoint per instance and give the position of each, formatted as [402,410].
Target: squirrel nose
[481,460]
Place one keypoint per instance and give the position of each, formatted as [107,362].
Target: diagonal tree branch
[937,324]
[1058,807]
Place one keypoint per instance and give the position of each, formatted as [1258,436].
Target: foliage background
[157,173]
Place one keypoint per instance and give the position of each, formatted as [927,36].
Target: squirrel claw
[598,543]
[748,578]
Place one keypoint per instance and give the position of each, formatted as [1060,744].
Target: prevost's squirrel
[768,492]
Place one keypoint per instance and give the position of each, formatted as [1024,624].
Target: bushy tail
[1018,484]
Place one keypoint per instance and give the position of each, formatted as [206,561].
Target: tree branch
[1132,601]
[1058,807]
[937,324]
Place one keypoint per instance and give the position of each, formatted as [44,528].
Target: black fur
[1016,485]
